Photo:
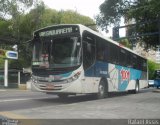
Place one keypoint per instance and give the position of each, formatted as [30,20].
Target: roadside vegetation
[144,14]
[17,25]
[152,66]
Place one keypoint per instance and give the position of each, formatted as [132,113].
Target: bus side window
[122,57]
[134,62]
[113,57]
[37,46]
[88,50]
[144,66]
[100,49]
[128,60]
[107,53]
[139,63]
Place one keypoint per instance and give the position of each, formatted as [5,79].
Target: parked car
[157,83]
[150,83]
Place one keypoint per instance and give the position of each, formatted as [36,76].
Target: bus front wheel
[102,90]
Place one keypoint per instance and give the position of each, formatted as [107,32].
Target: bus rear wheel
[136,90]
[102,90]
[136,87]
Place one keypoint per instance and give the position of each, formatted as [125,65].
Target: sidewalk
[16,87]
[21,87]
[9,89]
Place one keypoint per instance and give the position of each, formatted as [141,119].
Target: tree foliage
[14,7]
[19,28]
[111,12]
[146,14]
[125,43]
[152,66]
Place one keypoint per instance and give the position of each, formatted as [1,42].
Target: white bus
[73,59]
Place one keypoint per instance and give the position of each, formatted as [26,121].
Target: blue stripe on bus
[133,75]
[66,75]
[100,69]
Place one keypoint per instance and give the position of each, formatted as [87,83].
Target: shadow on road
[50,100]
[83,98]
[79,98]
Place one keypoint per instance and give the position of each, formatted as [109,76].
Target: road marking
[12,115]
[156,90]
[20,118]
[13,100]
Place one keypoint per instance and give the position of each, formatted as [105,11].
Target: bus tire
[136,90]
[63,96]
[136,87]
[102,90]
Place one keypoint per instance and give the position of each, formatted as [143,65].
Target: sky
[85,7]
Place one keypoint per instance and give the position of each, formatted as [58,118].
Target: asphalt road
[26,105]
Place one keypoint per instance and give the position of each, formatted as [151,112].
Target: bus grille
[55,87]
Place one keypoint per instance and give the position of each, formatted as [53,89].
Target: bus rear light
[34,79]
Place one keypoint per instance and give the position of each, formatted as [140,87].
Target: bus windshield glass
[57,52]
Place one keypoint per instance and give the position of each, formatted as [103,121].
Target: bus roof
[93,32]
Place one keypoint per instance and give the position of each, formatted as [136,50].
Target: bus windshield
[57,52]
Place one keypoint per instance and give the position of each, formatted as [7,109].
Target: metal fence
[14,79]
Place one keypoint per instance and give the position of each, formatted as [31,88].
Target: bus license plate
[49,86]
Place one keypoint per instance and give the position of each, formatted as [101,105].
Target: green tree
[12,12]
[111,12]
[126,43]
[5,28]
[22,27]
[13,7]
[144,12]
[152,66]
[72,17]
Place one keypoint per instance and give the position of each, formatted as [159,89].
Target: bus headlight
[34,79]
[74,77]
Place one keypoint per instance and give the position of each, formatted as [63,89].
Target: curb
[156,90]
[2,90]
[13,90]
[21,87]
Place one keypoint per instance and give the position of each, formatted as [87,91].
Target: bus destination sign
[59,31]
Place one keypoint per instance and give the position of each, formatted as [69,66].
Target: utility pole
[159,29]
[6,54]
[6,73]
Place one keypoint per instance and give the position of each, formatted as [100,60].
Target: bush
[152,66]
[126,43]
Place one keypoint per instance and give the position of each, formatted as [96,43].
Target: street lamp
[15,47]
